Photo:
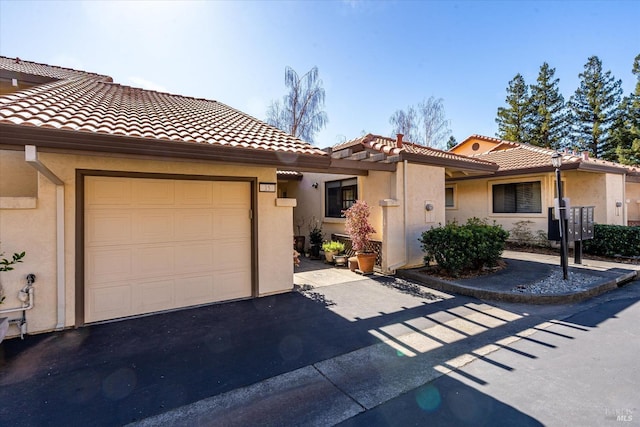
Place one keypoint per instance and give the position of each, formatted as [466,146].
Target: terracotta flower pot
[366,261]
[328,255]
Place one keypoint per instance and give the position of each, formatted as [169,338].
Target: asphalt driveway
[357,340]
[120,372]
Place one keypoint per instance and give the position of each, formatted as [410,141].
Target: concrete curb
[517,297]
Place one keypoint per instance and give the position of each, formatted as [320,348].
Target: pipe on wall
[26,296]
[27,305]
[31,157]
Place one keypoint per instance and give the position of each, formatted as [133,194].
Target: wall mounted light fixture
[314,185]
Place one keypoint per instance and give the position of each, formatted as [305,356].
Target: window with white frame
[340,195]
[517,197]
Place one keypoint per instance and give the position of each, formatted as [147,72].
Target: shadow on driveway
[120,372]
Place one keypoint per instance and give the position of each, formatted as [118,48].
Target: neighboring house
[129,201]
[524,185]
[404,184]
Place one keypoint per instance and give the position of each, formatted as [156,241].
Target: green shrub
[333,246]
[522,235]
[612,240]
[462,247]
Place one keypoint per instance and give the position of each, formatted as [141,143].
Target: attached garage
[160,244]
[138,201]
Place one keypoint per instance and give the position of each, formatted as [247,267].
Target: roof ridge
[19,61]
[72,100]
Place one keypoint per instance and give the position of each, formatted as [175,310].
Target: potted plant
[359,229]
[331,249]
[7,265]
[315,238]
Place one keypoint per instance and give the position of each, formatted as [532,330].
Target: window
[517,197]
[449,197]
[340,195]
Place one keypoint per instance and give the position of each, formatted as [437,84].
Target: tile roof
[415,152]
[90,103]
[516,156]
[289,175]
[17,65]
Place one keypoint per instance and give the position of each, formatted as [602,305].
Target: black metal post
[562,215]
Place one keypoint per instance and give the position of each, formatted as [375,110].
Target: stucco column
[276,255]
[393,245]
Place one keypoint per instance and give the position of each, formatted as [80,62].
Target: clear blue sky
[373,57]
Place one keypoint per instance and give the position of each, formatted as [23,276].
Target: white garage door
[159,244]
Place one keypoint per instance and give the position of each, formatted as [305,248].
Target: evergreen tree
[513,120]
[594,109]
[626,129]
[451,142]
[548,120]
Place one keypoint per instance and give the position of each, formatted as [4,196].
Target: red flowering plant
[357,225]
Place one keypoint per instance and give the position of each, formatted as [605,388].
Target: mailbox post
[556,160]
[579,227]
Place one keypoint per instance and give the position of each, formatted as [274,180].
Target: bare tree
[425,124]
[434,122]
[301,112]
[407,123]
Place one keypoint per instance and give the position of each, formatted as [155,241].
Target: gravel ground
[554,283]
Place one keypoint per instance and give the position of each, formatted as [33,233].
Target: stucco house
[404,184]
[130,201]
[523,186]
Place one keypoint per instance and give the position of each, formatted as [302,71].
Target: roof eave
[74,141]
[596,167]
[446,162]
[591,167]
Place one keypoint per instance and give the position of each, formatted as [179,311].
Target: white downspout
[405,204]
[31,157]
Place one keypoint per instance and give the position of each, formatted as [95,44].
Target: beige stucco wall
[473,198]
[384,192]
[310,204]
[33,230]
[632,200]
[17,178]
[599,190]
[424,184]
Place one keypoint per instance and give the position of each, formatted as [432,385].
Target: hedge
[464,247]
[612,240]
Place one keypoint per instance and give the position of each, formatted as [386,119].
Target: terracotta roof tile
[513,156]
[389,147]
[20,66]
[87,102]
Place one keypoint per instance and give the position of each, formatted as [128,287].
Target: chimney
[399,140]
[585,155]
